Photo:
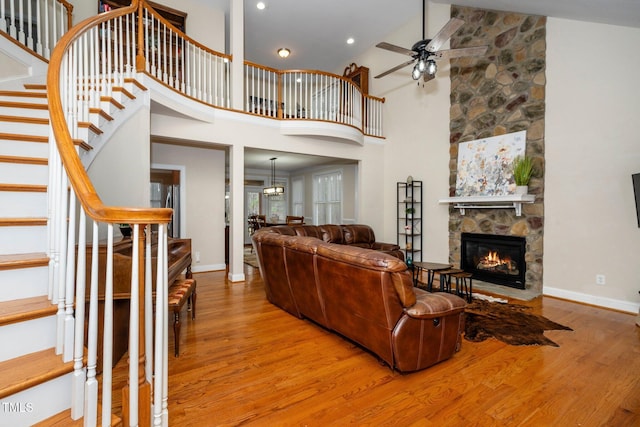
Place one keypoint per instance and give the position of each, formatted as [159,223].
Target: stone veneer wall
[501,92]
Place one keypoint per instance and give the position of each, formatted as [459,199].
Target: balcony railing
[37,25]
[310,95]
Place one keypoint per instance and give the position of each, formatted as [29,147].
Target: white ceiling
[316,32]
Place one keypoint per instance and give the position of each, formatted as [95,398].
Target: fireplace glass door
[495,258]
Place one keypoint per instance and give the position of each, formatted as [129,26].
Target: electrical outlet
[197,256]
[600,279]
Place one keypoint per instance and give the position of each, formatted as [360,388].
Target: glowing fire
[493,261]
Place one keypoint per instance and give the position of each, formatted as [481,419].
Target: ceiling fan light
[431,67]
[416,73]
[422,65]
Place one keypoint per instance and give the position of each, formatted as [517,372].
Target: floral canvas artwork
[484,165]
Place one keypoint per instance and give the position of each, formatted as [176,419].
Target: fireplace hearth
[494,258]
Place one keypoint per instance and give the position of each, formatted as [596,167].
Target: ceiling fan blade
[457,53]
[443,35]
[426,77]
[394,48]
[396,68]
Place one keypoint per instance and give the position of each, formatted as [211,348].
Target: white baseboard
[236,277]
[207,267]
[626,306]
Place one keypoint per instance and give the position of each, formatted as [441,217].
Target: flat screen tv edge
[636,190]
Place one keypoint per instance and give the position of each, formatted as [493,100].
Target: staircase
[35,383]
[32,376]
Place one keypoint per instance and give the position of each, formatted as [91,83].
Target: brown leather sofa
[359,235]
[365,295]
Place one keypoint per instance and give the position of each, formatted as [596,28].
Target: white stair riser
[17,204]
[23,283]
[35,113]
[37,403]
[27,337]
[23,148]
[19,173]
[32,129]
[23,239]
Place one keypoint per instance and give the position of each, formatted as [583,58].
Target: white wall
[124,163]
[592,148]
[204,184]
[416,127]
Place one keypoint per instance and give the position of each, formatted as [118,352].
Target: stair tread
[21,119]
[26,309]
[13,261]
[28,105]
[63,419]
[30,370]
[25,94]
[12,222]
[24,160]
[32,188]
[22,137]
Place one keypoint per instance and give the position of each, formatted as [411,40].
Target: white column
[236,18]
[236,206]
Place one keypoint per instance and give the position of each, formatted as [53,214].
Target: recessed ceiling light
[350,40]
[283,52]
[261,5]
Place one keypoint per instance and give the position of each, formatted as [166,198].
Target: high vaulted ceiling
[316,30]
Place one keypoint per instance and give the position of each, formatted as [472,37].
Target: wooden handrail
[78,177]
[69,8]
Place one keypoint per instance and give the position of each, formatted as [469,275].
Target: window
[297,196]
[327,195]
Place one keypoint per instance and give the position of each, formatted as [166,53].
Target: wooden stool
[180,292]
[461,282]
[445,278]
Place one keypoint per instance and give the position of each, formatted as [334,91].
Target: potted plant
[410,212]
[522,169]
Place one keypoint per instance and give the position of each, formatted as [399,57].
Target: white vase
[522,189]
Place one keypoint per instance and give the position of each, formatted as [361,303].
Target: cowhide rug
[510,323]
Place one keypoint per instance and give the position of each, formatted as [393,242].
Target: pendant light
[273,190]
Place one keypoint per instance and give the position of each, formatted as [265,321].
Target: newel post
[140,59]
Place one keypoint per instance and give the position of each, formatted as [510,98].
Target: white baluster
[62,249]
[67,354]
[160,346]
[21,17]
[107,345]
[134,328]
[79,372]
[38,28]
[91,386]
[148,307]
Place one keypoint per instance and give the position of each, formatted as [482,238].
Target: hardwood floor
[244,361]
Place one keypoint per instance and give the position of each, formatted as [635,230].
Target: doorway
[166,192]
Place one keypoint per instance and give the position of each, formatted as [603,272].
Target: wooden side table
[431,268]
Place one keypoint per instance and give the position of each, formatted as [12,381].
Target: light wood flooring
[244,362]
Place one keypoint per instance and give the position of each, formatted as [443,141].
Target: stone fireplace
[502,92]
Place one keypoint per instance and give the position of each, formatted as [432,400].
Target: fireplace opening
[494,258]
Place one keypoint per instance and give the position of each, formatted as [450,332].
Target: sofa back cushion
[332,233]
[358,235]
[308,230]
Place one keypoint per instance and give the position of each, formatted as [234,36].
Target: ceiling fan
[425,52]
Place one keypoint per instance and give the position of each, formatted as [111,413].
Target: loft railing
[310,95]
[37,25]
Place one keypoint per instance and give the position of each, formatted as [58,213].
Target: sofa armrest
[429,305]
